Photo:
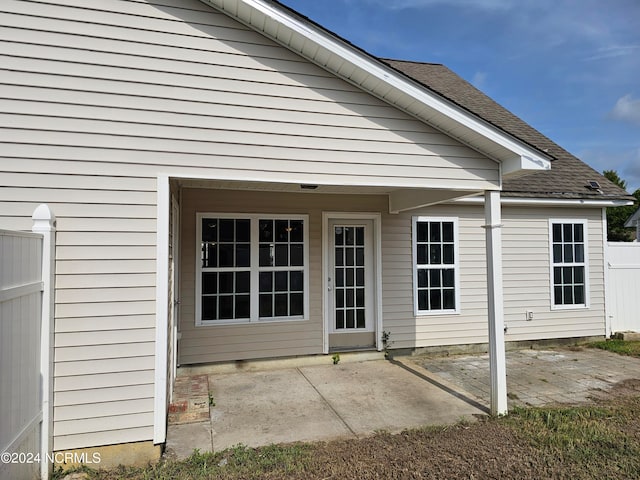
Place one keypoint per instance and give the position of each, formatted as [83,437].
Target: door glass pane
[349,273]
[349,236]
[359,297]
[349,256]
[350,279]
[350,320]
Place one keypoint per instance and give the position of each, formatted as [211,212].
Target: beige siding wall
[97,100]
[526,279]
[272,339]
[169,82]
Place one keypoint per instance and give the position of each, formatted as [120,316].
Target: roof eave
[348,62]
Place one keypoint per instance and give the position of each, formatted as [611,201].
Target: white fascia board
[431,104]
[550,202]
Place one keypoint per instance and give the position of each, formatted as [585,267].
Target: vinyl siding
[202,344]
[98,101]
[526,280]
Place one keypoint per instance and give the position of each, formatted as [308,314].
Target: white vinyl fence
[623,290]
[25,348]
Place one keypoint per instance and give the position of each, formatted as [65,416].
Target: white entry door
[351,284]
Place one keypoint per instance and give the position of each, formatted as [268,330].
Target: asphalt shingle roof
[568,177]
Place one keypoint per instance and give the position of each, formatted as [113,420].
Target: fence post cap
[43,218]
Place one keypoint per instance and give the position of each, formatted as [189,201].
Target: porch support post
[497,357]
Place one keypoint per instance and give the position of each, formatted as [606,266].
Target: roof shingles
[568,177]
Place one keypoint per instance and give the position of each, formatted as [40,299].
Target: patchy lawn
[601,440]
[622,347]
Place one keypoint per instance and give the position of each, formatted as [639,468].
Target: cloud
[479,80]
[627,109]
[613,51]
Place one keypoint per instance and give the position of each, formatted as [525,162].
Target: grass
[239,462]
[622,347]
[592,439]
[600,441]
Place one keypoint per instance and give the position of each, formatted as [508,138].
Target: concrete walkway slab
[260,408]
[326,402]
[540,377]
[373,396]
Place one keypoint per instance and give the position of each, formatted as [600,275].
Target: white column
[44,223]
[497,358]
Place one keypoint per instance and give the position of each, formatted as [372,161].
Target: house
[232,181]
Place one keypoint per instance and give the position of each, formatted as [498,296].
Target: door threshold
[368,348]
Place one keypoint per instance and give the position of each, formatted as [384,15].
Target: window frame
[584,264]
[254,268]
[455,265]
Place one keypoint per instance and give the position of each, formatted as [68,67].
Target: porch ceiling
[400,199]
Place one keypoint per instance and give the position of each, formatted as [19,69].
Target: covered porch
[325,286]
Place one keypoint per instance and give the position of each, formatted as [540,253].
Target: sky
[569,68]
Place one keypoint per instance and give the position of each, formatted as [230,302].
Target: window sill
[433,313]
[226,323]
[569,307]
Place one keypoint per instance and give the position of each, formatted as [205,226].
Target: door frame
[376,218]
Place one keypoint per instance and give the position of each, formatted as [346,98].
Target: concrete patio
[214,411]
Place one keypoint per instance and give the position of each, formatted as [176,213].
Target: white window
[251,268]
[569,264]
[435,265]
